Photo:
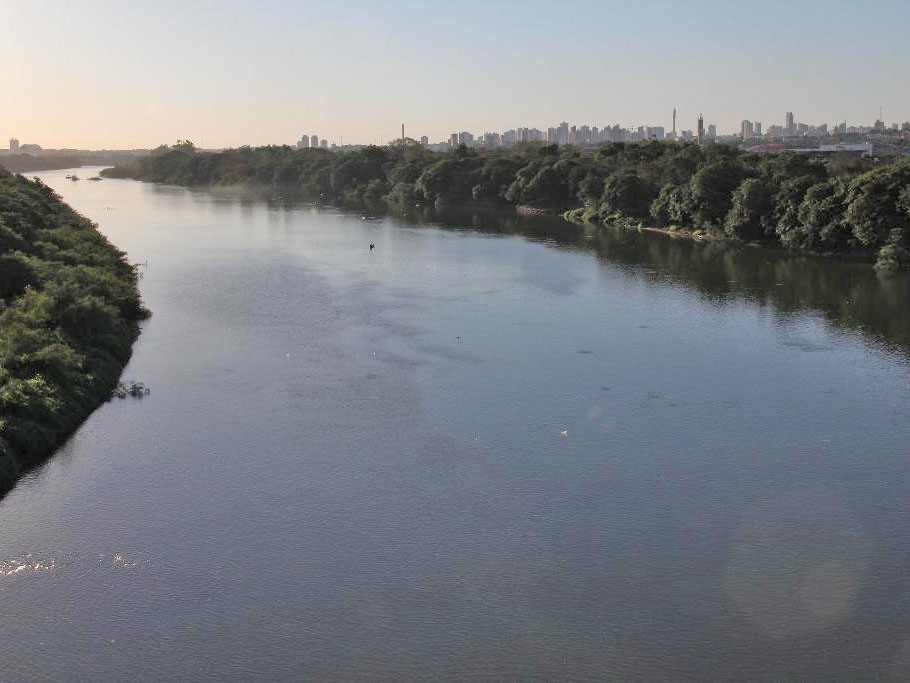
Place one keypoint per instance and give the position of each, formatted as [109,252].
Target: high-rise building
[13,146]
[314,141]
[746,130]
[453,140]
[424,140]
[324,143]
[701,129]
[757,129]
[789,128]
[562,134]
[654,133]
[712,132]
[303,142]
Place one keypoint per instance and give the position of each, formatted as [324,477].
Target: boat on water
[96,179]
[73,177]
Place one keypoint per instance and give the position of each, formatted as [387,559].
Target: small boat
[96,179]
[73,177]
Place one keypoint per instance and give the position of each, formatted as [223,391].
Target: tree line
[69,312]
[26,163]
[844,205]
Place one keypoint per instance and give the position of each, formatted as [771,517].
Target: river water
[490,448]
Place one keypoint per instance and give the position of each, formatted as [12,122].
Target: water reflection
[849,295]
[797,563]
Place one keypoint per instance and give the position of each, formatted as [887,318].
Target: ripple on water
[35,562]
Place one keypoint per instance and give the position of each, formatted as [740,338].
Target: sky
[122,74]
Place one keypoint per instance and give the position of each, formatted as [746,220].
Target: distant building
[562,134]
[465,138]
[491,139]
[757,129]
[701,129]
[712,132]
[303,142]
[324,143]
[424,140]
[862,149]
[655,133]
[453,140]
[13,146]
[314,141]
[789,128]
[746,130]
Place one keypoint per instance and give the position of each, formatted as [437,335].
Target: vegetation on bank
[845,205]
[26,163]
[69,312]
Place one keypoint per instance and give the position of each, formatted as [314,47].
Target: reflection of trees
[847,294]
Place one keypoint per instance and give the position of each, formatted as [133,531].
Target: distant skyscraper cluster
[585,135]
[564,134]
[312,141]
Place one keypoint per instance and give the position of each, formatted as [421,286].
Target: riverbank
[358,423]
[69,314]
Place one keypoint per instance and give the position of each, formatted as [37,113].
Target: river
[491,447]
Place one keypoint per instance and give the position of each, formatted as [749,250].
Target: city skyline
[94,80]
[583,134]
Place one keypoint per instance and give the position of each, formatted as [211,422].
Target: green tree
[751,213]
[712,189]
[875,204]
[628,194]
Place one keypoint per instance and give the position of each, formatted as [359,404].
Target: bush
[68,316]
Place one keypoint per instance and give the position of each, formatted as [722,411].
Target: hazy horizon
[103,75]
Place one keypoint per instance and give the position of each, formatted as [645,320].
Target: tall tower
[674,121]
[701,129]
[402,131]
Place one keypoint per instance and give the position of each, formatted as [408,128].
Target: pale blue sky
[123,74]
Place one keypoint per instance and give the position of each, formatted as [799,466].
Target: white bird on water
[564,432]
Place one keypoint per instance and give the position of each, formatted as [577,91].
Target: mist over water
[352,464]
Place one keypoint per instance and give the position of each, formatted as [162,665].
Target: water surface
[493,447]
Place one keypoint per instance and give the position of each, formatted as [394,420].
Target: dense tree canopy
[68,316]
[789,199]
